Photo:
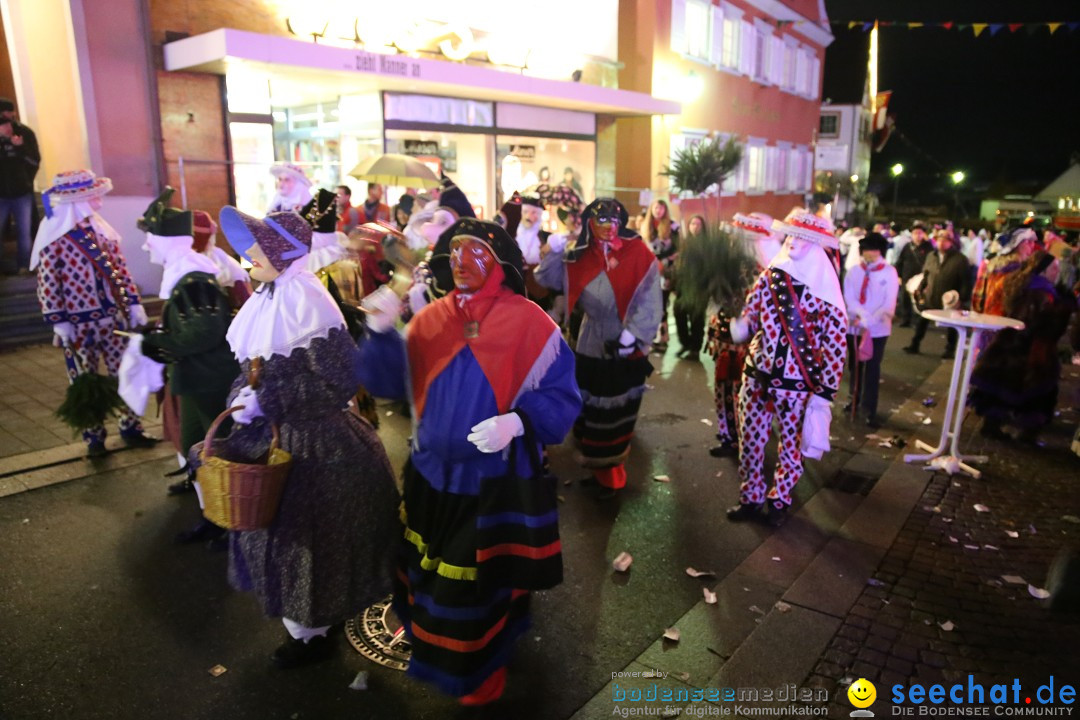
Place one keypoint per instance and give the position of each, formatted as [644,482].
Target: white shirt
[880,306]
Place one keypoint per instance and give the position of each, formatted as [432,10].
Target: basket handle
[275,435]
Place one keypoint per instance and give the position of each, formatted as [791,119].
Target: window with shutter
[678,26]
[716,56]
[697,28]
[815,77]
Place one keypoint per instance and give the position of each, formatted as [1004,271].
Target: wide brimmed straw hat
[295,171]
[807,226]
[759,223]
[74,186]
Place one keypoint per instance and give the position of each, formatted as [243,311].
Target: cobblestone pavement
[951,597]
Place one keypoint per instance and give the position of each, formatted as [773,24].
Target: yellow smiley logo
[862,693]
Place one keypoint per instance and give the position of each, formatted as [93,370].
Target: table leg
[969,365]
[943,442]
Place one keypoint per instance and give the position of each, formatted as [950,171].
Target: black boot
[139,439]
[203,531]
[297,653]
[743,511]
[725,449]
[778,514]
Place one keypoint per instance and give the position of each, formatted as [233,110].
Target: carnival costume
[1010,253]
[326,556]
[795,315]
[482,520]
[86,293]
[617,285]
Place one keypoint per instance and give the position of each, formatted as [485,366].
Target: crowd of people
[501,338]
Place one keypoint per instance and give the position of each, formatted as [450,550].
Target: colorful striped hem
[517,518]
[533,553]
[452,572]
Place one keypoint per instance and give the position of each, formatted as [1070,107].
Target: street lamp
[957,177]
[896,171]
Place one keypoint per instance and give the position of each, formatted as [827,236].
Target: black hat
[505,248]
[321,212]
[406,202]
[918,225]
[600,207]
[873,241]
[165,221]
[453,199]
[510,212]
[6,105]
[531,200]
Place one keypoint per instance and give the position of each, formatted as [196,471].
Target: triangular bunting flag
[978,28]
[1013,27]
[866,26]
[1053,27]
[947,25]
[962,27]
[1032,28]
[885,23]
[995,27]
[914,25]
[852,24]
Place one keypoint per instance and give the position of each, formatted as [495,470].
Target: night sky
[1005,109]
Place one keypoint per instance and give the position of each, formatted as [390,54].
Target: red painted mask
[604,229]
[471,262]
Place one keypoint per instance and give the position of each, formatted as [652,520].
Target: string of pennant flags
[977,28]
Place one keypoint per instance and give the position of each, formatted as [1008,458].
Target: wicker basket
[241,496]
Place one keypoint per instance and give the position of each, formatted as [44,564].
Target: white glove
[557,243]
[385,307]
[627,343]
[63,333]
[417,297]
[815,431]
[495,433]
[251,409]
[740,330]
[137,316]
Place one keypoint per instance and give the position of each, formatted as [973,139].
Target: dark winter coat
[942,274]
[912,258]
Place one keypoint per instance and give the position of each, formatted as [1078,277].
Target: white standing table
[970,326]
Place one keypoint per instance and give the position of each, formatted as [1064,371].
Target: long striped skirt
[461,631]
[611,390]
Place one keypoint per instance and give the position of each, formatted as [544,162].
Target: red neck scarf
[508,336]
[866,278]
[627,261]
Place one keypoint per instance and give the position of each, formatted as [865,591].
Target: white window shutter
[716,47]
[746,49]
[678,27]
[776,60]
[815,77]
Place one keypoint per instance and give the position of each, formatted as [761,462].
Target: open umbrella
[399,170]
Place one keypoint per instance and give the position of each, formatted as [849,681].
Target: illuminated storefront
[475,103]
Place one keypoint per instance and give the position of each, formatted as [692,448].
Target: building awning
[351,71]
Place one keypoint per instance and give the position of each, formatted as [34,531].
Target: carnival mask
[796,247]
[604,228]
[261,268]
[470,261]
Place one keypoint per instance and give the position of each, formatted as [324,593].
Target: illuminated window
[697,28]
[732,40]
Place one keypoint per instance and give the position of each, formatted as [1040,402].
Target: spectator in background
[19,161]
[348,216]
[972,247]
[944,270]
[374,208]
[909,264]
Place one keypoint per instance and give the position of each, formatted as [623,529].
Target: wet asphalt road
[102,616]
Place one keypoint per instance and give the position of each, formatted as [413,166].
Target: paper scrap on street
[1071,519]
[875,582]
[360,681]
[560,498]
[756,609]
[927,421]
[873,436]
[952,539]
[782,606]
[662,478]
[706,421]
[1014,579]
[981,508]
[672,634]
[1038,592]
[991,547]
[710,596]
[218,670]
[684,676]
[719,473]
[947,626]
[1012,533]
[622,562]
[699,573]
[776,558]
[972,547]
[389,413]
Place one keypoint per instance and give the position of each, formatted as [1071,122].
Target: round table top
[974,320]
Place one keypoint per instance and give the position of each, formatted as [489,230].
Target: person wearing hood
[870,290]
[325,557]
[729,356]
[431,277]
[231,277]
[614,278]
[1010,252]
[796,318]
[292,188]
[86,293]
[191,338]
[490,379]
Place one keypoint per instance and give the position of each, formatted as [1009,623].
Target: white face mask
[157,247]
[797,248]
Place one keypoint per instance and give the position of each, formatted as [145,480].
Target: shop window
[829,125]
[528,164]
[438,110]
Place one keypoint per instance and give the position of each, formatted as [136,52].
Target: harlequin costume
[86,292]
[1010,253]
[796,317]
[729,356]
[482,521]
[325,557]
[617,286]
